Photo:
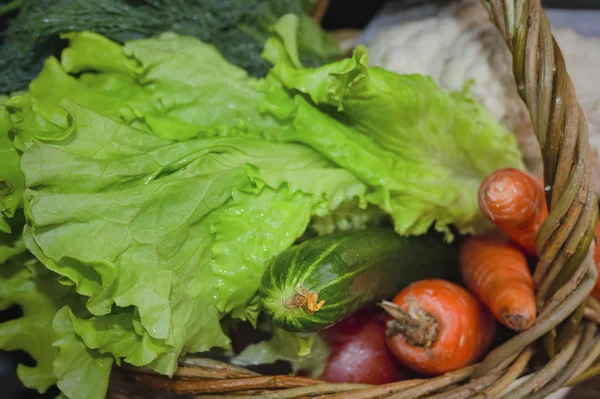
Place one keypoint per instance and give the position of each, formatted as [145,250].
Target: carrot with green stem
[496,271]
[436,326]
[515,202]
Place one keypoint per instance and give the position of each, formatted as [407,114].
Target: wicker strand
[594,303]
[411,388]
[434,384]
[543,376]
[591,356]
[203,368]
[514,364]
[592,315]
[302,392]
[589,373]
[514,372]
[469,389]
[571,367]
[389,389]
[195,386]
[578,224]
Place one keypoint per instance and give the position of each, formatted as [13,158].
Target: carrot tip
[517,322]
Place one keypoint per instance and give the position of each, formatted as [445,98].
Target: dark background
[341,14]
[357,13]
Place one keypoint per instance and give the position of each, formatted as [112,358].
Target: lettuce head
[144,188]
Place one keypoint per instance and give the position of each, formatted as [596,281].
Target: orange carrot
[496,271]
[515,202]
[436,326]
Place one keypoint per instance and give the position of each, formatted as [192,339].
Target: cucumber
[317,283]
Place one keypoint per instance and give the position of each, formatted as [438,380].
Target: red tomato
[359,352]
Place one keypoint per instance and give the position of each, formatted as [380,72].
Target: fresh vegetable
[436,326]
[158,180]
[496,270]
[359,352]
[238,28]
[515,202]
[25,281]
[422,152]
[317,283]
[306,353]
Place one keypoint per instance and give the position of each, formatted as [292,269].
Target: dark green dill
[238,28]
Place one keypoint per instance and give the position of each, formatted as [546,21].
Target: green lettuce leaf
[80,372]
[24,282]
[121,335]
[137,85]
[167,219]
[146,225]
[423,151]
[157,183]
[11,178]
[349,216]
[12,244]
[304,352]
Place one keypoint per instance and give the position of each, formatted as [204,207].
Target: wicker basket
[566,327]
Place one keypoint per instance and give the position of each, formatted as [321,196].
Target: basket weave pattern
[566,327]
